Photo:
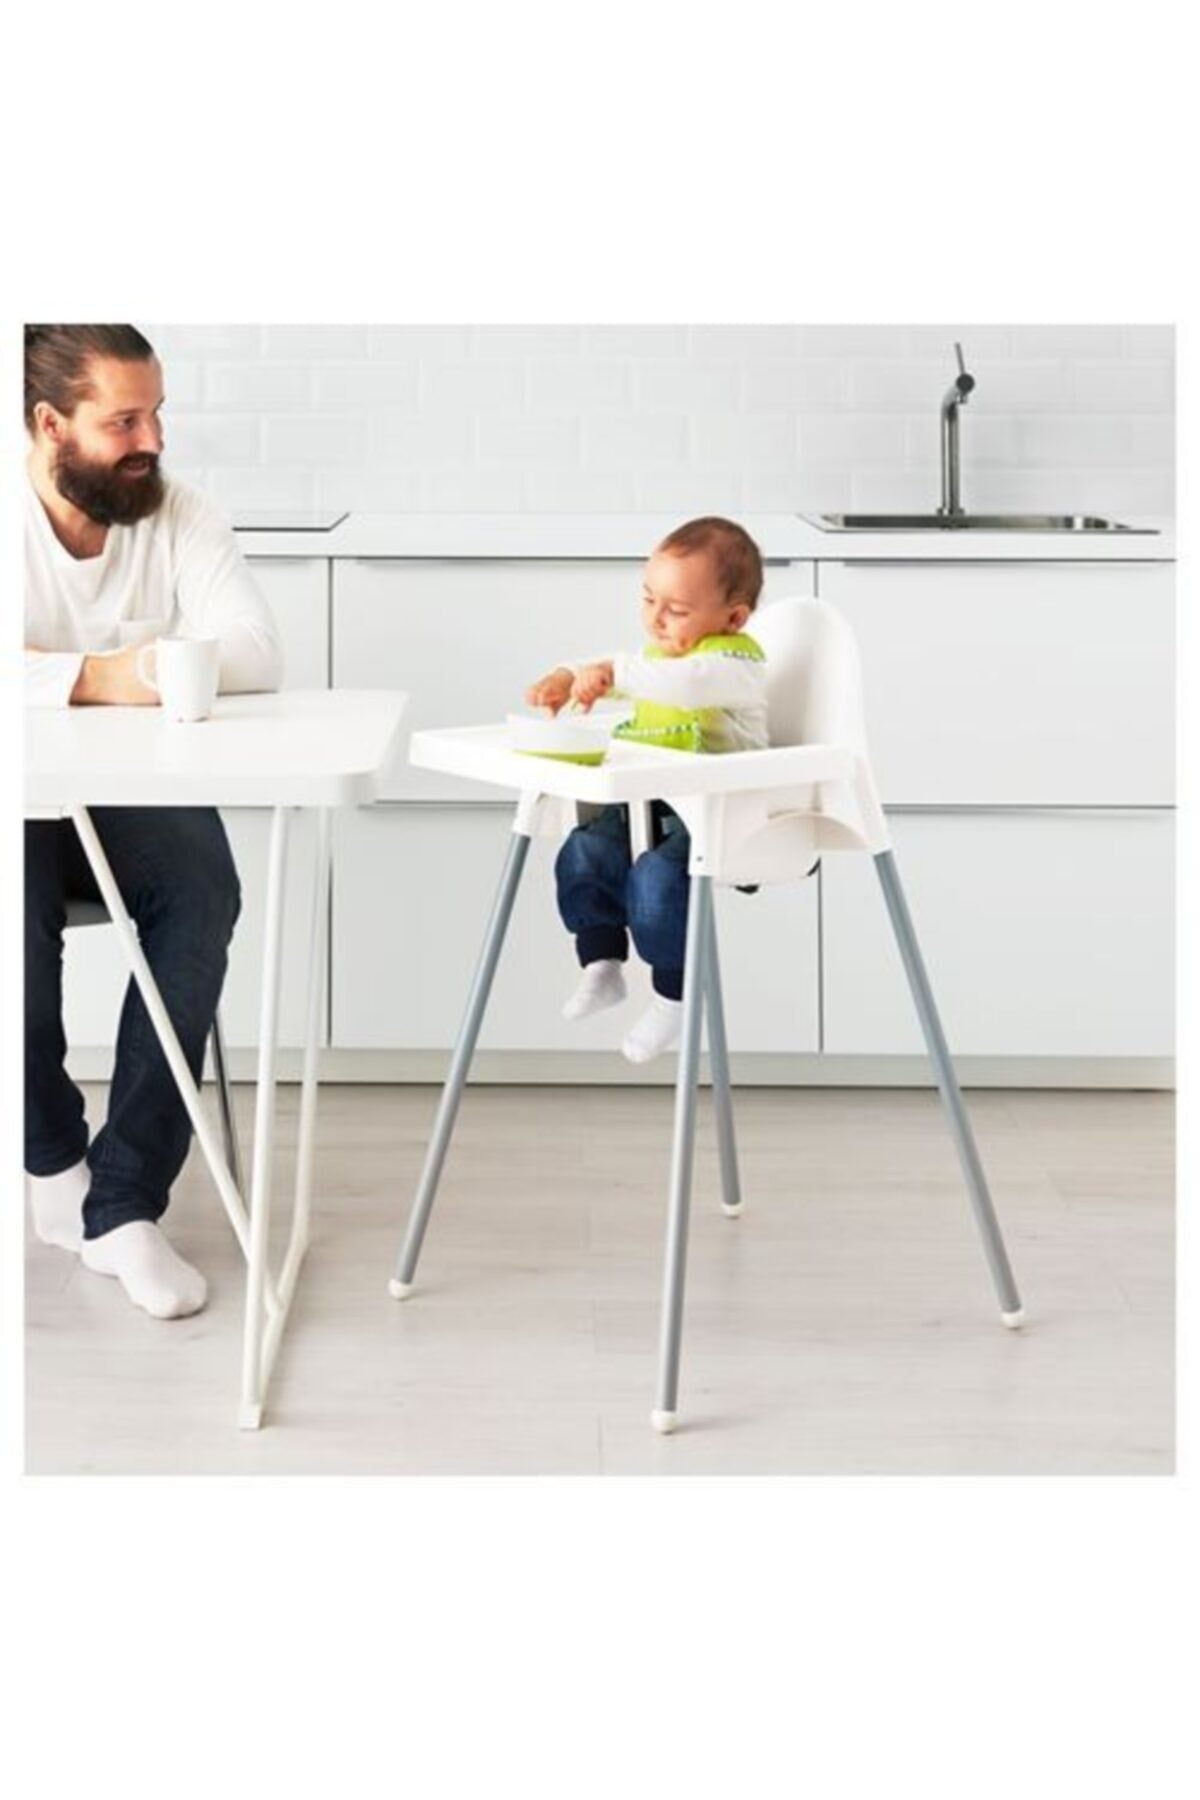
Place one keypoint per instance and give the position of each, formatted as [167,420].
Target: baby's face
[682,602]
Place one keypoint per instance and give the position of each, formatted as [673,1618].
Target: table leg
[253,1374]
[318,954]
[210,1144]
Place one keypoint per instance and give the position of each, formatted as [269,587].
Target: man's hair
[57,358]
[734,554]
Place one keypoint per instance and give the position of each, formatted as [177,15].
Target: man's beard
[109,493]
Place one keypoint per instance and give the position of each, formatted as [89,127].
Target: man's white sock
[657,1030]
[603,985]
[153,1274]
[56,1204]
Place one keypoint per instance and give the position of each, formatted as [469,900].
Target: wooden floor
[844,1325]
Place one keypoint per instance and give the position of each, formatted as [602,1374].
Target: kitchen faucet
[952,507]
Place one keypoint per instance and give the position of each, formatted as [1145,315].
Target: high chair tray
[629,771]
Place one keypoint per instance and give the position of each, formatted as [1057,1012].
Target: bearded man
[117,555]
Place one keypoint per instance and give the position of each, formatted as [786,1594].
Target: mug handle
[140,671]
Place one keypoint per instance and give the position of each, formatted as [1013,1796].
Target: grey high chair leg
[400,1285]
[718,1059]
[702,991]
[696,979]
[943,1067]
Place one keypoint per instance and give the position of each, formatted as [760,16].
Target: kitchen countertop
[782,537]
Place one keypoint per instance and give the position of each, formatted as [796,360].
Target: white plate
[575,738]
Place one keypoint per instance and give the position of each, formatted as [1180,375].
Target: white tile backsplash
[472,387]
[260,386]
[315,441]
[687,418]
[688,386]
[640,441]
[578,383]
[210,439]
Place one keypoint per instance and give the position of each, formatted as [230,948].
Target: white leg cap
[732,1212]
[399,1290]
[250,1416]
[1013,1319]
[663,1422]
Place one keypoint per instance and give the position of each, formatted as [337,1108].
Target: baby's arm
[712,678]
[553,690]
[584,683]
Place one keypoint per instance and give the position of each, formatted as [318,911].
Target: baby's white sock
[153,1274]
[56,1203]
[657,1030]
[603,985]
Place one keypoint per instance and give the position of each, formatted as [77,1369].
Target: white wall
[678,418]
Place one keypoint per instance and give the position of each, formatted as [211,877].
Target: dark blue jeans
[177,878]
[604,896]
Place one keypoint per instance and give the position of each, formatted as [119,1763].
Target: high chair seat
[754,817]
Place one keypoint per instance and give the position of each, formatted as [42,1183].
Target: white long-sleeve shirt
[178,573]
[713,698]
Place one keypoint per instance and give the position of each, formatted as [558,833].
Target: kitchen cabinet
[1015,682]
[1045,933]
[1020,713]
[296,588]
[466,638]
[413,889]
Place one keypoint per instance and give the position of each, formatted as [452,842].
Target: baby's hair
[734,553]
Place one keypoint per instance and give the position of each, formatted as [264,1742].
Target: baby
[699,684]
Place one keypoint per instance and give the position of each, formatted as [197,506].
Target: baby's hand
[592,682]
[553,690]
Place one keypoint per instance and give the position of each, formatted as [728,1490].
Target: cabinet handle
[1029,809]
[991,562]
[633,560]
[404,803]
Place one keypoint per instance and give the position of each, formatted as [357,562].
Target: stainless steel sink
[1078,522]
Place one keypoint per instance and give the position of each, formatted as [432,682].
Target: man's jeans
[603,893]
[177,878]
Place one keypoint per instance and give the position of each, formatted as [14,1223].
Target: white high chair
[754,817]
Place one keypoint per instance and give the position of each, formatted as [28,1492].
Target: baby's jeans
[605,897]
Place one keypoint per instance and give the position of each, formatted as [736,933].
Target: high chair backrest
[814,696]
[814,683]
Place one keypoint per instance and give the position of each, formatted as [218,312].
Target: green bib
[680,727]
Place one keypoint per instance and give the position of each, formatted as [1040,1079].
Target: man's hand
[553,690]
[593,681]
[113,680]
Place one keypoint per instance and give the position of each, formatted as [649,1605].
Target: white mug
[186,678]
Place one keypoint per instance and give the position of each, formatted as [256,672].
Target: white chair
[755,817]
[94,912]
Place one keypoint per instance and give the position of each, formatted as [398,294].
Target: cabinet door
[94,973]
[1018,683]
[296,588]
[465,639]
[1043,934]
[413,892]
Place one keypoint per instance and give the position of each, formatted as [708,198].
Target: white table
[280,751]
